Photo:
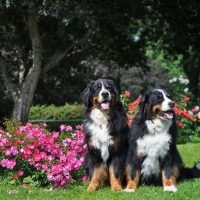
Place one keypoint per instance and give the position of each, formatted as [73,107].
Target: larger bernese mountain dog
[153,157]
[106,135]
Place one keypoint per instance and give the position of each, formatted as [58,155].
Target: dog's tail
[188,173]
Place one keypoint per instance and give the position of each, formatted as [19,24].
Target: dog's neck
[157,126]
[99,117]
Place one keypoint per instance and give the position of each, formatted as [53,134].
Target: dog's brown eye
[107,86]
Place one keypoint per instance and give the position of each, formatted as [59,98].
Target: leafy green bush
[74,111]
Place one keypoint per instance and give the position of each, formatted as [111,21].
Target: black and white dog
[106,134]
[153,157]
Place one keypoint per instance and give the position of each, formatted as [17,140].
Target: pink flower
[43,156]
[25,152]
[25,185]
[20,173]
[79,127]
[8,163]
[69,128]
[8,152]
[56,169]
[50,177]
[14,150]
[62,127]
[55,135]
[37,157]
[45,168]
[84,178]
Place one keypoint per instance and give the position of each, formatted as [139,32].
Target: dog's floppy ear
[85,95]
[143,102]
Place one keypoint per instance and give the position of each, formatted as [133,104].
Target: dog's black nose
[104,94]
[171,104]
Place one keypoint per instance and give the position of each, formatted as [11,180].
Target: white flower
[199,115]
[174,79]
[186,90]
[196,108]
[170,81]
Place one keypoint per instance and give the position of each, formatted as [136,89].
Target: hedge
[74,111]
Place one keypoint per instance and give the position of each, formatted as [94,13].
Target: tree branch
[9,83]
[58,56]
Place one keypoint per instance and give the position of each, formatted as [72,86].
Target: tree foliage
[50,41]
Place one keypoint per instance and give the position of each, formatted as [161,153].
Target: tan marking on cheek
[95,99]
[98,179]
[132,183]
[153,110]
[115,182]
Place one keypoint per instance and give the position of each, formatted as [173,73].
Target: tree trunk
[23,95]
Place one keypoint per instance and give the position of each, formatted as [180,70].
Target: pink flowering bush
[31,154]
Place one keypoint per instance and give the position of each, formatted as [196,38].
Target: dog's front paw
[170,188]
[129,190]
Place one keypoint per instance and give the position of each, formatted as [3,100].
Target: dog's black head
[157,104]
[101,94]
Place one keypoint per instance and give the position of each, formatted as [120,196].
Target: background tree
[40,36]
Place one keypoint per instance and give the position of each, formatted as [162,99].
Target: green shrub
[39,112]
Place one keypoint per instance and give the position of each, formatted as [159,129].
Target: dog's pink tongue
[169,115]
[105,105]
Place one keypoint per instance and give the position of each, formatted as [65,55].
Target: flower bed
[32,155]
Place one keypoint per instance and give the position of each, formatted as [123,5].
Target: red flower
[179,124]
[186,98]
[187,115]
[14,177]
[126,94]
[194,120]
[131,107]
[193,110]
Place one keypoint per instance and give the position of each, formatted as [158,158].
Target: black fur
[171,162]
[97,169]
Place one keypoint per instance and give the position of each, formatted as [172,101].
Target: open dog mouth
[105,105]
[165,114]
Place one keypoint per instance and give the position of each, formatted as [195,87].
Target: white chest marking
[100,132]
[154,146]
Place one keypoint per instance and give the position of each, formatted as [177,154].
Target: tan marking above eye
[99,85]
[160,95]
[168,95]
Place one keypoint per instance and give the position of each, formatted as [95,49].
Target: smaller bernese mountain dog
[106,135]
[153,157]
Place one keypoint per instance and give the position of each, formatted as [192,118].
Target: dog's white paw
[170,188]
[129,190]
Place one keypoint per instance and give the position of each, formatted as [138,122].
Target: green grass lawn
[187,189]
